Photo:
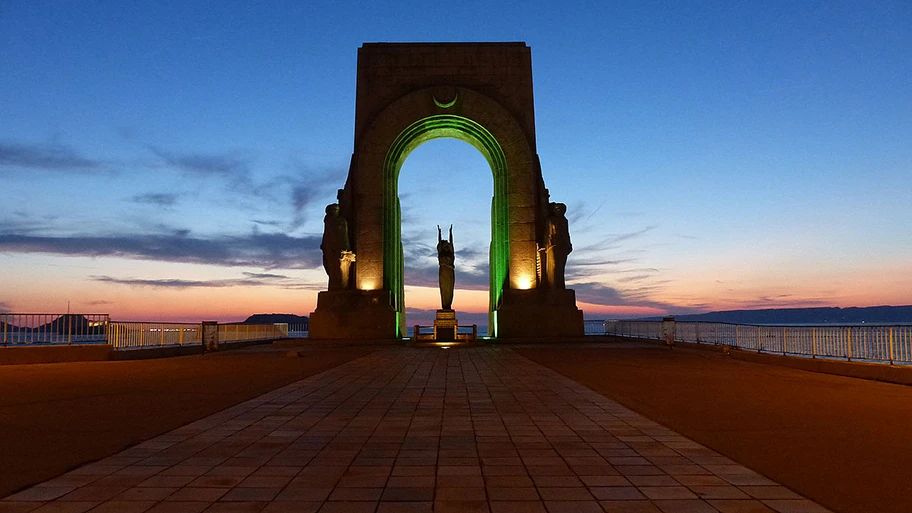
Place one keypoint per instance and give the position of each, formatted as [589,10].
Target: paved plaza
[418,430]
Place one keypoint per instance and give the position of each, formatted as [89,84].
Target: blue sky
[172,159]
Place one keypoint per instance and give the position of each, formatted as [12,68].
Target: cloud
[611,242]
[265,276]
[5,307]
[99,302]
[273,224]
[174,283]
[467,278]
[780,301]
[308,186]
[601,294]
[636,277]
[269,251]
[159,199]
[580,212]
[49,157]
[302,195]
[422,268]
[225,164]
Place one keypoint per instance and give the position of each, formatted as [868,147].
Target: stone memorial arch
[411,93]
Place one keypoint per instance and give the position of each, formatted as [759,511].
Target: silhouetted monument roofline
[389,71]
[418,45]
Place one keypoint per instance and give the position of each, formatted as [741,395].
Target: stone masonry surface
[478,429]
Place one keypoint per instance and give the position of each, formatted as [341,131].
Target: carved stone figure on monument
[337,254]
[446,257]
[558,246]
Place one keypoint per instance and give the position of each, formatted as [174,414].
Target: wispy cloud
[422,269]
[428,276]
[251,280]
[612,241]
[308,186]
[158,199]
[269,251]
[5,307]
[601,294]
[205,164]
[99,302]
[778,301]
[265,276]
[49,157]
[273,224]
[302,195]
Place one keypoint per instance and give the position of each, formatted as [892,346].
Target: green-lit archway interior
[419,132]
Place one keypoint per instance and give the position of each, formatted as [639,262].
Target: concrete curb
[103,352]
[12,355]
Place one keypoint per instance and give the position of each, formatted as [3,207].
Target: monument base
[353,315]
[539,313]
[445,326]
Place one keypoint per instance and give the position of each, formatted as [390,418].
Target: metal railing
[298,330]
[464,333]
[873,343]
[632,329]
[243,332]
[52,329]
[137,335]
[593,327]
[66,329]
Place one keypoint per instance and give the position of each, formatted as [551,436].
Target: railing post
[849,344]
[69,330]
[737,336]
[759,339]
[668,330]
[783,341]
[813,342]
[892,355]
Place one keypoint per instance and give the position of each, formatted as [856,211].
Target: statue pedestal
[539,313]
[445,326]
[353,315]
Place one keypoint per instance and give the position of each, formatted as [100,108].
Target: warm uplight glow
[524,282]
[368,281]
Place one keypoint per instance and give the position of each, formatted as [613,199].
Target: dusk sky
[172,160]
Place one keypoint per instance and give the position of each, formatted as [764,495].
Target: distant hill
[828,315]
[277,318]
[71,323]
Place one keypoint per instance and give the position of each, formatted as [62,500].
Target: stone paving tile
[417,430]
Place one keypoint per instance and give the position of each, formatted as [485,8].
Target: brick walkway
[418,430]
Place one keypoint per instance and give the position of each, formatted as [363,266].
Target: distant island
[825,315]
[274,318]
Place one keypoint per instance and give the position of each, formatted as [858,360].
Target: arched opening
[419,132]
[446,181]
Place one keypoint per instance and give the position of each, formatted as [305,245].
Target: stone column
[668,330]
[210,336]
